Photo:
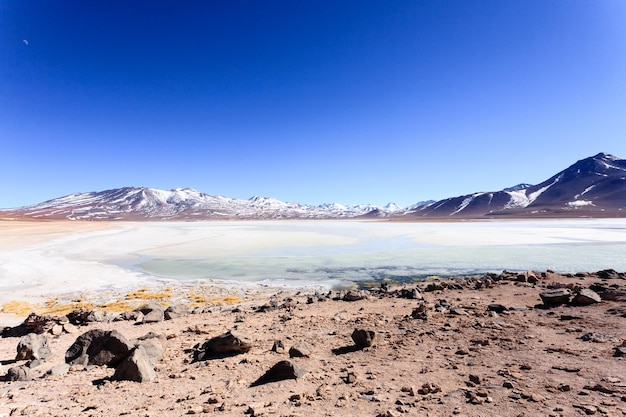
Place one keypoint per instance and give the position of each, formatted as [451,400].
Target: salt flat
[42,260]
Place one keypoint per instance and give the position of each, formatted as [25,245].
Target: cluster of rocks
[57,325]
[133,360]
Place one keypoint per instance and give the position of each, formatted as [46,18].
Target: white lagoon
[304,253]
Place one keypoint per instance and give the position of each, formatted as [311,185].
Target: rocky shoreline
[509,344]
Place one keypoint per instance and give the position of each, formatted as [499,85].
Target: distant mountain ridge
[594,186]
[142,203]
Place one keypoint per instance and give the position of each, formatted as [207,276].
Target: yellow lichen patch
[119,306]
[19,308]
[229,299]
[196,300]
[52,307]
[433,278]
[144,294]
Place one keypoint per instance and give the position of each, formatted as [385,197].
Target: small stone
[299,350]
[587,408]
[481,392]
[474,378]
[56,330]
[350,378]
[278,347]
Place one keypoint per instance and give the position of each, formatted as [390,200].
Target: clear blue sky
[311,101]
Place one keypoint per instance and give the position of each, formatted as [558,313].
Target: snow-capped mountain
[141,203]
[592,186]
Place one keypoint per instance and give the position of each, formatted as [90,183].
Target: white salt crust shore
[42,260]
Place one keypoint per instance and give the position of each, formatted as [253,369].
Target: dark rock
[82,316]
[136,367]
[620,350]
[152,313]
[354,295]
[556,296]
[420,312]
[598,338]
[363,338]
[435,286]
[227,344]
[411,294]
[299,350]
[33,346]
[278,347]
[18,373]
[280,371]
[270,306]
[34,323]
[129,316]
[429,388]
[613,294]
[498,308]
[608,274]
[603,388]
[98,347]
[175,311]
[585,297]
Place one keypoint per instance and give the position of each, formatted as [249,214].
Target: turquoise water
[377,251]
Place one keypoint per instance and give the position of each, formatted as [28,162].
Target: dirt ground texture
[454,357]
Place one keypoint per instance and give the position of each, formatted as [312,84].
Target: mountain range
[594,186]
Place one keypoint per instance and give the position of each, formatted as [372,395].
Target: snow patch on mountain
[150,203]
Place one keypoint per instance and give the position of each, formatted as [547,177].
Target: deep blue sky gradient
[321,101]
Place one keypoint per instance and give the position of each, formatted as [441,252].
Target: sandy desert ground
[444,355]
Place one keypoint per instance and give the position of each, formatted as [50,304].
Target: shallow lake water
[339,253]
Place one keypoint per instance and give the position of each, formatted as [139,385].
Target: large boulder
[152,313]
[153,347]
[363,338]
[136,367]
[280,371]
[556,296]
[227,344]
[176,310]
[585,297]
[33,346]
[99,347]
